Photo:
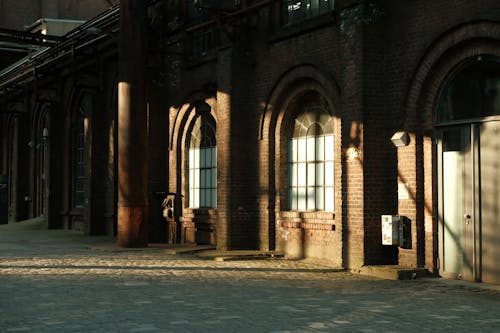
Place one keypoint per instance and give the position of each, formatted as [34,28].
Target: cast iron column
[132,126]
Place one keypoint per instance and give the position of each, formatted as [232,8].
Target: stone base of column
[132,226]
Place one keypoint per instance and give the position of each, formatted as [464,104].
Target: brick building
[271,122]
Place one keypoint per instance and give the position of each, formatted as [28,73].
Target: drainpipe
[132,126]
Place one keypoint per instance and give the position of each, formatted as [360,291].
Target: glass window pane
[196,198]
[302,149]
[311,174]
[329,174]
[329,200]
[293,175]
[301,198]
[203,178]
[311,200]
[214,198]
[313,7]
[325,5]
[214,157]
[196,183]
[292,198]
[202,198]
[320,148]
[329,147]
[302,174]
[196,158]
[203,158]
[191,158]
[320,198]
[311,143]
[214,178]
[209,182]
[320,174]
[191,178]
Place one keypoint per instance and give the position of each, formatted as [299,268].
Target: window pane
[313,7]
[196,183]
[301,200]
[329,147]
[191,158]
[329,173]
[329,201]
[292,198]
[320,148]
[302,174]
[214,198]
[325,5]
[203,157]
[202,198]
[311,174]
[291,150]
[311,200]
[191,178]
[203,178]
[320,174]
[320,198]
[302,149]
[196,202]
[311,143]
[293,175]
[214,178]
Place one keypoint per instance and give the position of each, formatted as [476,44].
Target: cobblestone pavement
[59,281]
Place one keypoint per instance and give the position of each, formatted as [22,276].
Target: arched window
[202,163]
[310,159]
[474,92]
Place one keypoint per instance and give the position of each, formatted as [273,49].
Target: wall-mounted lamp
[45,133]
[401,139]
[31,144]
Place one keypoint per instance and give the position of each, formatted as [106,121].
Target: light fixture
[45,133]
[401,139]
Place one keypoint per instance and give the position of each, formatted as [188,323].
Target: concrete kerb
[390,272]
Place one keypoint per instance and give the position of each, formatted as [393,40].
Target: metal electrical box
[396,230]
[390,229]
[172,206]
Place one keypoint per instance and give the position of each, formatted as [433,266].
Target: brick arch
[296,78]
[183,114]
[291,86]
[276,117]
[448,51]
[182,121]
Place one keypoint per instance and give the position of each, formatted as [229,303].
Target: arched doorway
[468,133]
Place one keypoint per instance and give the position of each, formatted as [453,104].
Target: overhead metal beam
[23,37]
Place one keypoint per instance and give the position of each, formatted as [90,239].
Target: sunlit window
[311,163]
[202,162]
[297,10]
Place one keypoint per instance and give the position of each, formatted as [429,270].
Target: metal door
[489,151]
[456,201]
[469,201]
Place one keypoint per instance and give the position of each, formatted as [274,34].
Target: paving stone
[59,284]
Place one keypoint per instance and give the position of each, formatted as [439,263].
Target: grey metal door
[489,157]
[469,201]
[456,198]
